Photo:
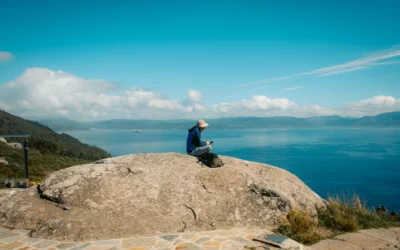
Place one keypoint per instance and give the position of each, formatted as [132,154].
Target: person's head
[202,124]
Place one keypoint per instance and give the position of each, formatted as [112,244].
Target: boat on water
[137,131]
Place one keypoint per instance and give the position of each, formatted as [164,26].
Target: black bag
[211,160]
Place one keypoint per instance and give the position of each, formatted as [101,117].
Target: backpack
[211,160]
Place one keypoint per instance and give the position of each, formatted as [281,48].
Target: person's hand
[208,143]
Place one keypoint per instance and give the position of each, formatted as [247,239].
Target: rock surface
[374,239]
[3,161]
[15,145]
[145,194]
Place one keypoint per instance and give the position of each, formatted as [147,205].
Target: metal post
[26,162]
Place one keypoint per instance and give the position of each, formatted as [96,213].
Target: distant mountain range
[383,120]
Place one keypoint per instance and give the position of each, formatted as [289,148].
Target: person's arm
[196,141]
[202,143]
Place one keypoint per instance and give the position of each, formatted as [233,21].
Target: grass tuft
[342,214]
[301,227]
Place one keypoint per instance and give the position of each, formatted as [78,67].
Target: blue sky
[227,51]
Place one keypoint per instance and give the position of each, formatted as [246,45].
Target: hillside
[40,164]
[49,150]
[383,120]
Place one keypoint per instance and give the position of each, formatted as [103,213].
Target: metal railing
[26,172]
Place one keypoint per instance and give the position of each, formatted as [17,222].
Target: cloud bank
[5,56]
[43,93]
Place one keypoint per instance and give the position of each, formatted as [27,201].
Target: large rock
[3,161]
[15,145]
[146,194]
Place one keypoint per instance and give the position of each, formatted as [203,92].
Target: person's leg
[201,150]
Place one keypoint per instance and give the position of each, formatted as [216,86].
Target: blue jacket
[194,139]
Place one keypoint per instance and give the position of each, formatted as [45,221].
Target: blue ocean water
[330,161]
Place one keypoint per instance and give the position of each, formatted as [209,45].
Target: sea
[330,161]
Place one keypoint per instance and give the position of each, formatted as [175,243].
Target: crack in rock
[184,227]
[59,200]
[204,186]
[263,191]
[194,213]
[130,171]
[283,204]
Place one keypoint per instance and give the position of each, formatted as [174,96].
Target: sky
[96,60]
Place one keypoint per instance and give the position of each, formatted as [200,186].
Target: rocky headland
[144,194]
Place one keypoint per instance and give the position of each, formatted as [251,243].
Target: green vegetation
[341,215]
[48,150]
[302,227]
[46,140]
[350,214]
[39,164]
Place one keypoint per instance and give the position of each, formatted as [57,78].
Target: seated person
[194,145]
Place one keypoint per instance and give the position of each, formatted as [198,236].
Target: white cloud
[199,107]
[194,95]
[264,106]
[40,93]
[359,64]
[5,56]
[377,101]
[137,97]
[188,109]
[370,106]
[165,104]
[293,88]
[265,103]
[343,71]
[375,59]
[63,112]
[258,105]
[43,93]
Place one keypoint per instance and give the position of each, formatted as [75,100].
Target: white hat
[202,123]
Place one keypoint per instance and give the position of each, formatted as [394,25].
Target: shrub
[340,215]
[349,214]
[301,226]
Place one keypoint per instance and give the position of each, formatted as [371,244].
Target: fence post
[26,163]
